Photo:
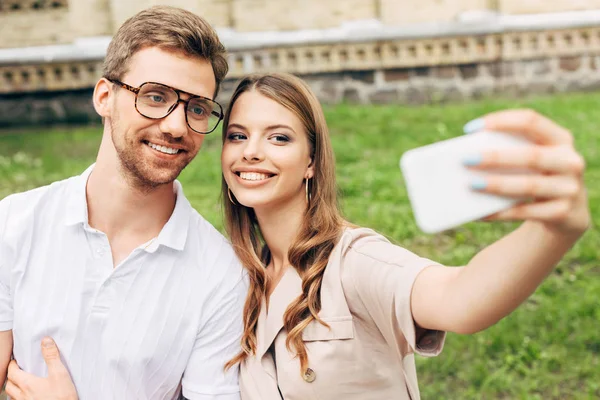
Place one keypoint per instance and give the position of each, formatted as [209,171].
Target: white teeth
[163,149]
[253,176]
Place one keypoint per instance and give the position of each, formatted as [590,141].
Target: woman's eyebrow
[236,126]
[280,126]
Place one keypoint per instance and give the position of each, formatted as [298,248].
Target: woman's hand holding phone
[555,186]
[529,171]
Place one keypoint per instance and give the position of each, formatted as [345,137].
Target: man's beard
[134,166]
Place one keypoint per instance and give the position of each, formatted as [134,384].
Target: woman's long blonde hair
[320,230]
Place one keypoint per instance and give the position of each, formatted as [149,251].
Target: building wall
[41,22]
[32,27]
[267,15]
[395,12]
[545,6]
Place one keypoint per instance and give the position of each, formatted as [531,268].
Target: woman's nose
[253,151]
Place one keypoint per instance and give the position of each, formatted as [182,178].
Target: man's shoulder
[217,249]
[28,200]
[207,231]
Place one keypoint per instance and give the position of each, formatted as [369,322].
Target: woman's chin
[253,202]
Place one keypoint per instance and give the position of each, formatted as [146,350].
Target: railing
[334,57]
[31,5]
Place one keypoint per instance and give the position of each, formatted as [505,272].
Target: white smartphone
[438,183]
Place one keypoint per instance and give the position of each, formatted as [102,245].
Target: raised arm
[503,275]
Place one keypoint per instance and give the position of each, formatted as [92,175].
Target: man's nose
[175,123]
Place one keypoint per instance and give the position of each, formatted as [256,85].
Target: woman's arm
[57,386]
[6,346]
[503,275]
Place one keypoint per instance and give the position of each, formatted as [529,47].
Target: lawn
[548,349]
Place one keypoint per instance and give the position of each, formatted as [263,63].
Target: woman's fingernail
[47,342]
[472,160]
[478,184]
[474,126]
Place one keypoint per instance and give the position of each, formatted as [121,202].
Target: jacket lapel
[270,321]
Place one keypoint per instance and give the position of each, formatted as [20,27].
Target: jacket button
[309,375]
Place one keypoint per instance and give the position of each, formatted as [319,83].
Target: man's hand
[21,385]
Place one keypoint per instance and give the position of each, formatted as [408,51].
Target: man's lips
[164,148]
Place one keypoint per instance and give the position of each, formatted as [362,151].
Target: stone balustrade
[8,6]
[338,57]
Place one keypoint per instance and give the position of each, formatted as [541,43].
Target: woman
[336,311]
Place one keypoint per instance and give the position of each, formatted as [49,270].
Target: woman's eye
[280,138]
[236,136]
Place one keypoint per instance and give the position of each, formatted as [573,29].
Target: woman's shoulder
[359,243]
[363,250]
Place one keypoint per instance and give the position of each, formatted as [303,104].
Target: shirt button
[309,375]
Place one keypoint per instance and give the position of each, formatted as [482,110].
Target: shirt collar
[76,204]
[173,234]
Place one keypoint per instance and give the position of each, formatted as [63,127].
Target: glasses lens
[154,100]
[203,115]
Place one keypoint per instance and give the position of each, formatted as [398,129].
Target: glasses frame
[136,91]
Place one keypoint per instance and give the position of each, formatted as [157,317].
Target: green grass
[548,349]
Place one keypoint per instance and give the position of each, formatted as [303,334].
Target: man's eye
[198,110]
[155,98]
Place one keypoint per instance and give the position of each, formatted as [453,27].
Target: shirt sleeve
[6,310]
[217,342]
[382,275]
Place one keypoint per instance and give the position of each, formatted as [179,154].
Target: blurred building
[366,51]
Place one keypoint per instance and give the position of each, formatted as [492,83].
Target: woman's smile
[253,178]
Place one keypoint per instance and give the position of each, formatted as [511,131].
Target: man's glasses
[155,101]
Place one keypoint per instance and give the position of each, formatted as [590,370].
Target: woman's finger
[528,186]
[551,159]
[19,377]
[551,210]
[52,359]
[526,123]
[13,391]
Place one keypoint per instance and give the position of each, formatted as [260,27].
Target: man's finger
[52,357]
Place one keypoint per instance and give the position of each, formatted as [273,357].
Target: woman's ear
[101,97]
[310,170]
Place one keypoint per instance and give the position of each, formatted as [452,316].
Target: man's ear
[102,97]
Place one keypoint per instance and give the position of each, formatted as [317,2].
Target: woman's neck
[279,226]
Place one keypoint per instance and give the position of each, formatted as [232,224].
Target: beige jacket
[369,351]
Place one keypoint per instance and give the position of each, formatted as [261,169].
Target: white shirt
[172,309]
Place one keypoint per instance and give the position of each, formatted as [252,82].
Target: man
[142,295]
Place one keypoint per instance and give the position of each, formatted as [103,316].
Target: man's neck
[120,210]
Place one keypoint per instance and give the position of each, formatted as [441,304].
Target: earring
[230,199]
[308,196]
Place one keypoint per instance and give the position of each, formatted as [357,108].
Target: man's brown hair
[168,28]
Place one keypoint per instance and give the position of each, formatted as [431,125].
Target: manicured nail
[472,160]
[478,184]
[47,342]
[474,126]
